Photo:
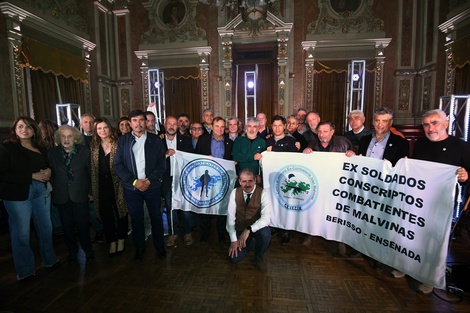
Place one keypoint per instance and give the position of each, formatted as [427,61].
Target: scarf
[68,160]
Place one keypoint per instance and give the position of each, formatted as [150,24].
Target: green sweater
[243,152]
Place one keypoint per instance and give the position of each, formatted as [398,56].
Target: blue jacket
[155,163]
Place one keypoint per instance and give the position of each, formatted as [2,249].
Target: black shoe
[71,259]
[204,237]
[56,265]
[161,253]
[98,237]
[285,238]
[139,254]
[27,278]
[355,255]
[261,266]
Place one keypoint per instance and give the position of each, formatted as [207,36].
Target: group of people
[127,172]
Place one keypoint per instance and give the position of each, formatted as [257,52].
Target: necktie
[248,197]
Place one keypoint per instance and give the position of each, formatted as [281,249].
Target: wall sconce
[291,75]
[227,86]
[282,84]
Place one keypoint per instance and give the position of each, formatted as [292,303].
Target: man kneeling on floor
[248,217]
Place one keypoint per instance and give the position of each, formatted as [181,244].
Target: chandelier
[234,4]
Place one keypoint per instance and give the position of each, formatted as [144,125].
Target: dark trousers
[135,203]
[205,223]
[114,227]
[262,239]
[75,216]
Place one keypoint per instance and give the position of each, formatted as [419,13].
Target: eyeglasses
[196,128]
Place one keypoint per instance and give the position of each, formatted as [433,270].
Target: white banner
[399,216]
[201,184]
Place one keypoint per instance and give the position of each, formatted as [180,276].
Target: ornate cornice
[164,33]
[24,17]
[333,20]
[65,12]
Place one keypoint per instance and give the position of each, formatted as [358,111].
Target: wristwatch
[249,228]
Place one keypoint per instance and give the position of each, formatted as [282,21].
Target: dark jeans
[135,203]
[262,239]
[75,216]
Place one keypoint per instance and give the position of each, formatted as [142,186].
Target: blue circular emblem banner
[204,182]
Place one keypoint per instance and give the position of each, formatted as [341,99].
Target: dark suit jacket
[204,146]
[395,149]
[183,143]
[79,188]
[155,164]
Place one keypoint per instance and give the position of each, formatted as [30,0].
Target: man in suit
[382,143]
[219,146]
[140,163]
[173,141]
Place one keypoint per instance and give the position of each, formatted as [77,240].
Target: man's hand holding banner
[399,216]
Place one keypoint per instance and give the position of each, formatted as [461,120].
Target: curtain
[462,80]
[37,55]
[330,97]
[266,91]
[330,92]
[45,93]
[182,93]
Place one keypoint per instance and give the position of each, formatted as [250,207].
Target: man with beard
[300,116]
[172,142]
[247,149]
[151,124]
[183,124]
